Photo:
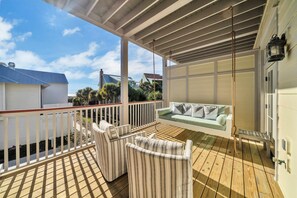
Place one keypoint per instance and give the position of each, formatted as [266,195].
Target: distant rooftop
[153,76]
[24,76]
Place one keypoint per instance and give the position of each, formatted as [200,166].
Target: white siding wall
[55,94]
[2,96]
[210,82]
[283,19]
[20,96]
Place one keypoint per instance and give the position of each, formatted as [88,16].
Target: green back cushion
[221,119]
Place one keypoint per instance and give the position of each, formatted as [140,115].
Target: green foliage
[110,91]
[151,96]
[83,95]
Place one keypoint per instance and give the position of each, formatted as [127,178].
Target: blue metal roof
[22,76]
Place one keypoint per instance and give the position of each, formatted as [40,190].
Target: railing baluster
[68,130]
[138,117]
[17,142]
[46,136]
[62,131]
[37,126]
[54,133]
[80,128]
[74,129]
[92,130]
[112,109]
[5,138]
[105,114]
[117,121]
[87,127]
[100,114]
[97,116]
[28,140]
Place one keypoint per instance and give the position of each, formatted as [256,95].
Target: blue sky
[35,35]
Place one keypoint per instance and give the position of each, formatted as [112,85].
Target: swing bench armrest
[163,111]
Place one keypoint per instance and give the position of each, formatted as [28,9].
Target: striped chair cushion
[160,146]
[124,129]
[110,129]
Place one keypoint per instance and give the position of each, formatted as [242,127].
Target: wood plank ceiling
[190,30]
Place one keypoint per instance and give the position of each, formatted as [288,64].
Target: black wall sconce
[275,49]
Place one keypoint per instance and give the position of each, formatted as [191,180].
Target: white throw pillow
[211,112]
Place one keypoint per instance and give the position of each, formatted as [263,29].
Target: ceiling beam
[206,26]
[91,7]
[226,47]
[242,40]
[113,10]
[173,17]
[163,9]
[199,16]
[216,40]
[198,58]
[138,10]
[205,36]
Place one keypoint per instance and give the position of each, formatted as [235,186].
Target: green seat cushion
[213,124]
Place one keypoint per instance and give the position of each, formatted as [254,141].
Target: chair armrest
[140,133]
[96,128]
[188,149]
[152,136]
[163,111]
[123,129]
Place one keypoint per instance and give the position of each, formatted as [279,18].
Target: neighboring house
[22,89]
[29,89]
[151,78]
[109,78]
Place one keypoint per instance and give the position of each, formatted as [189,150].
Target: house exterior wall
[277,20]
[2,96]
[55,94]
[21,96]
[210,82]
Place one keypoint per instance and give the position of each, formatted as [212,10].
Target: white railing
[30,136]
[143,113]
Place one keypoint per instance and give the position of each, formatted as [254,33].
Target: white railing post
[124,81]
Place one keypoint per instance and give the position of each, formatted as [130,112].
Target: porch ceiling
[191,29]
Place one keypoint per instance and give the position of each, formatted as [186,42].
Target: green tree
[110,92]
[83,95]
[151,96]
[93,99]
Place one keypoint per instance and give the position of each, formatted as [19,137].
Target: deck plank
[217,171]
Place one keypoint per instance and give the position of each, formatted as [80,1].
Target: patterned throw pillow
[109,128]
[198,111]
[160,146]
[188,109]
[178,108]
[211,112]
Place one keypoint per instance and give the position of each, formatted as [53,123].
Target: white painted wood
[91,7]
[183,12]
[27,140]
[68,130]
[75,129]
[113,10]
[137,11]
[92,130]
[5,144]
[124,81]
[37,131]
[62,131]
[87,126]
[80,128]
[54,134]
[160,11]
[17,142]
[46,136]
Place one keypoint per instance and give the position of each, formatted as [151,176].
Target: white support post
[164,83]
[124,81]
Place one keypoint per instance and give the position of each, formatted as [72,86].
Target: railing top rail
[145,102]
[57,109]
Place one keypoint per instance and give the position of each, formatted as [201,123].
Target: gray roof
[109,78]
[23,76]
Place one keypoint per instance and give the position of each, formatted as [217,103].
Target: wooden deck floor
[217,172]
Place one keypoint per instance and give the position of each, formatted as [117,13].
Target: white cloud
[5,28]
[68,32]
[23,37]
[52,20]
[77,60]
[75,75]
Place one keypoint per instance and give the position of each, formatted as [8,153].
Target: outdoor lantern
[276,48]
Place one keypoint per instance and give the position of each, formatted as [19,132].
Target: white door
[271,107]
